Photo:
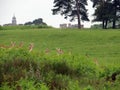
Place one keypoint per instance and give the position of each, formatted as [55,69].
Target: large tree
[110,10]
[116,11]
[103,13]
[74,9]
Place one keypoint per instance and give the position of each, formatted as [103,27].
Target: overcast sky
[28,10]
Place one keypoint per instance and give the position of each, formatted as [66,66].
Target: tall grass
[21,70]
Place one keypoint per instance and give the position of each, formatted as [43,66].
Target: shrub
[62,68]
[110,73]
[59,82]
[21,69]
[25,84]
[12,71]
[15,65]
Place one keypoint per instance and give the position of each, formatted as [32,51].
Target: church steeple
[14,22]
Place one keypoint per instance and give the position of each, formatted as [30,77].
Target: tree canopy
[74,9]
[38,21]
[107,11]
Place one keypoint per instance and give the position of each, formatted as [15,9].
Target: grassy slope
[103,45]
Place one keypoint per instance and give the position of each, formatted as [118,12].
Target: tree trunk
[79,23]
[114,17]
[106,23]
[114,24]
[103,24]
[78,15]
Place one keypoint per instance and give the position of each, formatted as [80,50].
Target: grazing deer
[96,61]
[59,51]
[12,44]
[31,47]
[7,47]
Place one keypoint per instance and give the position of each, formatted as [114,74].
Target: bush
[21,69]
[16,64]
[110,73]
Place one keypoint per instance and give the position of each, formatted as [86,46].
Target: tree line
[38,21]
[106,11]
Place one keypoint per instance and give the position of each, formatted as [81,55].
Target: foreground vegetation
[22,69]
[58,59]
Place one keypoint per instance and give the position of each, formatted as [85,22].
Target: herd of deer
[31,46]
[13,45]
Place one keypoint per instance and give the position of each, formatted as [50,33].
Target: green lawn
[104,45]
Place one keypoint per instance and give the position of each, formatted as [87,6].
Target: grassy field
[103,45]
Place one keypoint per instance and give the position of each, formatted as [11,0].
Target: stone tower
[14,22]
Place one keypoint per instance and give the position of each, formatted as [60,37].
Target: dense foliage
[107,11]
[22,69]
[38,21]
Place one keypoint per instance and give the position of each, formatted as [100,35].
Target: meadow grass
[103,45]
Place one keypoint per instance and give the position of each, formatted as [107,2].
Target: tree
[28,23]
[38,21]
[103,13]
[96,2]
[71,9]
[110,9]
[116,7]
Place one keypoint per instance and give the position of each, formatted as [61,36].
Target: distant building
[14,21]
[63,25]
[70,25]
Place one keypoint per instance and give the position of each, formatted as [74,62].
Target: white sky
[28,10]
